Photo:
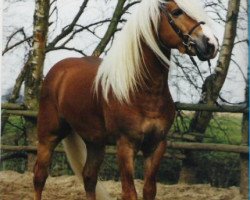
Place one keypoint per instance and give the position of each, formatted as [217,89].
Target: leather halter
[187,39]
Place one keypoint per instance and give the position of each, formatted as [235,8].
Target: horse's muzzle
[204,49]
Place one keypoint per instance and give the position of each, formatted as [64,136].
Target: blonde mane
[121,70]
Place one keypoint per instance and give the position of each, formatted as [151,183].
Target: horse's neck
[156,81]
[154,94]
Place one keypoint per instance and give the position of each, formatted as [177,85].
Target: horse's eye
[177,12]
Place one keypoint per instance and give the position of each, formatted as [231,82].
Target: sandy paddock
[15,186]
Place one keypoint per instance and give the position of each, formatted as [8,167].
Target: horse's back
[68,88]
[75,72]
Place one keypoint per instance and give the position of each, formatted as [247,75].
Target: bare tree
[213,83]
[33,78]
[67,34]
[212,86]
[32,71]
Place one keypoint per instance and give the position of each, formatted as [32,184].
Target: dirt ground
[15,186]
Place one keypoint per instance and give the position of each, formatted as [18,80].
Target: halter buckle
[187,40]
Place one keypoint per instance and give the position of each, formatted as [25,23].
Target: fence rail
[109,150]
[170,145]
[19,109]
[243,108]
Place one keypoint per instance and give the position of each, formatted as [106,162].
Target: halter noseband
[187,39]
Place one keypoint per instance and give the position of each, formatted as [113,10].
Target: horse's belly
[85,119]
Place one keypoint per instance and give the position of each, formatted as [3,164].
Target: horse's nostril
[210,48]
[205,40]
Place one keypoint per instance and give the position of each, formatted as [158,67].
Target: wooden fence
[243,150]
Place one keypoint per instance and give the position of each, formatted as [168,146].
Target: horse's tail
[77,153]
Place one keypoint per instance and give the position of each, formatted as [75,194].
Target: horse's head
[180,28]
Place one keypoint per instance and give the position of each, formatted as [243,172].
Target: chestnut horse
[125,96]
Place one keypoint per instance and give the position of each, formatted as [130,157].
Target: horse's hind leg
[51,130]
[95,156]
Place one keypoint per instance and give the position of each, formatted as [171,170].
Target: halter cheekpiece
[187,39]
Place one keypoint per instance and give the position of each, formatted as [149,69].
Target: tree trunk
[111,29]
[213,84]
[33,79]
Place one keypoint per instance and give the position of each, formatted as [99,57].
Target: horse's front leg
[153,155]
[126,151]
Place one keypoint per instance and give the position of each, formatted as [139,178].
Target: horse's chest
[128,121]
[149,125]
[150,114]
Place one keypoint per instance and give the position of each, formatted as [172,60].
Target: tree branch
[111,29]
[25,39]
[67,30]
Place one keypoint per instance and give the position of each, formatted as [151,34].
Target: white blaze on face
[212,39]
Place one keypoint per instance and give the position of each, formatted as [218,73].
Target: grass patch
[223,128]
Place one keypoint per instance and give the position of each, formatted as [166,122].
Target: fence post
[30,125]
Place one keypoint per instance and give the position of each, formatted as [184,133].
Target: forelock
[194,9]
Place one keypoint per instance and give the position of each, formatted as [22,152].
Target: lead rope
[209,66]
[195,64]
